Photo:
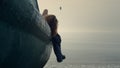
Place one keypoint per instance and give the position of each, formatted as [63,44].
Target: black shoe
[59,60]
[63,57]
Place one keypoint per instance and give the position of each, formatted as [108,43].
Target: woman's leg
[57,48]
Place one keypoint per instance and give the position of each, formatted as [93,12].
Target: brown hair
[52,22]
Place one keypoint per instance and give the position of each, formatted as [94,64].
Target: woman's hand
[45,12]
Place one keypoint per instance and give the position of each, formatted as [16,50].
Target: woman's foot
[63,57]
[59,60]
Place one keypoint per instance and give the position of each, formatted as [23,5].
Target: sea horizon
[89,50]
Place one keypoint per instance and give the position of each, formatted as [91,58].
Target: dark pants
[56,40]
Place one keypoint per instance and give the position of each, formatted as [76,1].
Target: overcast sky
[85,15]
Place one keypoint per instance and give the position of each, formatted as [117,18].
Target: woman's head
[52,22]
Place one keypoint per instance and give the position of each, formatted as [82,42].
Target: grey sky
[85,15]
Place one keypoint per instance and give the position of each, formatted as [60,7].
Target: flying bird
[60,8]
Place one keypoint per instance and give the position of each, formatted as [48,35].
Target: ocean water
[85,66]
[89,50]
